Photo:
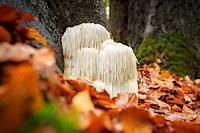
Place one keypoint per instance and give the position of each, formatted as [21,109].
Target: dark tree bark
[119,20]
[141,18]
[54,16]
[144,18]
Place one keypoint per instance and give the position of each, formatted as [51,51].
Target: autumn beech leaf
[34,34]
[4,35]
[102,100]
[176,98]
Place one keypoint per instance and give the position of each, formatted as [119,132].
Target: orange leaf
[178,101]
[136,121]
[21,95]
[34,34]
[165,74]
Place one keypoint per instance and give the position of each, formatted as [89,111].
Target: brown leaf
[26,17]
[7,13]
[10,14]
[102,99]
[187,89]
[22,95]
[177,101]
[165,74]
[82,101]
[34,34]
[159,120]
[96,125]
[136,121]
[187,110]
[185,127]
[4,35]
[181,116]
[80,83]
[163,106]
[126,100]
[175,108]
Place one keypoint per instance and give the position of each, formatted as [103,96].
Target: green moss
[106,2]
[49,116]
[172,49]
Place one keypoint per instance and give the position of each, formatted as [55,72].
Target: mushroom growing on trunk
[89,52]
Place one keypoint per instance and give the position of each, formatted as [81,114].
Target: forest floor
[35,97]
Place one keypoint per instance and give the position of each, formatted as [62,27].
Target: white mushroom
[88,51]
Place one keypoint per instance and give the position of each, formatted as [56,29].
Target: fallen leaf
[163,106]
[21,96]
[175,108]
[136,121]
[82,101]
[177,101]
[26,17]
[126,100]
[34,34]
[181,116]
[185,127]
[7,13]
[165,74]
[5,35]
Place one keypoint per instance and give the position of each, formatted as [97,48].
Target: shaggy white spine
[111,65]
[81,36]
[117,68]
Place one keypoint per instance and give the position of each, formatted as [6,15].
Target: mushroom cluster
[89,52]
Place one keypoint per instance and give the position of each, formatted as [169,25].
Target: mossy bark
[54,16]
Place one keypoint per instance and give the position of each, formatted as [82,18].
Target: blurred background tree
[137,22]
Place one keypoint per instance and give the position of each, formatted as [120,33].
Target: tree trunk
[54,16]
[119,20]
[141,18]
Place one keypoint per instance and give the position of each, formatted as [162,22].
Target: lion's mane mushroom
[89,52]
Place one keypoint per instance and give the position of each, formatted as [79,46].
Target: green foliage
[49,117]
[172,49]
[106,2]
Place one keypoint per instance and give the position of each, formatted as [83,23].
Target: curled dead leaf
[34,34]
